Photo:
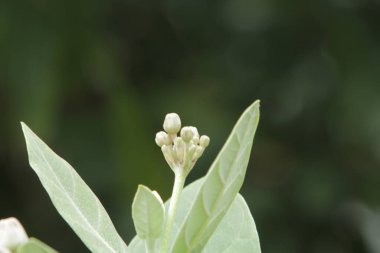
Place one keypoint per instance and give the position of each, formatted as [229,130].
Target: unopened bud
[172,123]
[162,138]
[198,152]
[187,134]
[178,142]
[167,151]
[180,149]
[195,131]
[204,141]
[12,234]
[192,149]
[195,138]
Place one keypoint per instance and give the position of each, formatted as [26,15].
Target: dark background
[94,79]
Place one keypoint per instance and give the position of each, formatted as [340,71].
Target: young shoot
[181,149]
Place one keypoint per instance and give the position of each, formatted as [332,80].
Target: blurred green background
[95,79]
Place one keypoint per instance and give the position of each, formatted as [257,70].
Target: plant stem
[149,245]
[179,182]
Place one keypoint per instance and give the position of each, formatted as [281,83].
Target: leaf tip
[142,187]
[23,125]
[257,103]
[25,128]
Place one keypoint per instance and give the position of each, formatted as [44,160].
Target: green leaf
[200,213]
[220,187]
[235,233]
[148,213]
[73,199]
[34,245]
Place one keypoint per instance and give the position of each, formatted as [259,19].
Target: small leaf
[220,186]
[148,213]
[73,199]
[34,245]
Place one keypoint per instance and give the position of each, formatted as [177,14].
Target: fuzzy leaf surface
[148,213]
[73,199]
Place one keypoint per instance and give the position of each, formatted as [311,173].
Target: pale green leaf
[148,213]
[220,187]
[34,245]
[236,232]
[73,199]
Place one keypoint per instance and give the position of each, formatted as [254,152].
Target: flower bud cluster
[181,147]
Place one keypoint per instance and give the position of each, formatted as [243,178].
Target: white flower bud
[172,123]
[178,142]
[187,134]
[195,131]
[195,138]
[12,234]
[162,138]
[167,151]
[180,149]
[198,152]
[191,150]
[204,141]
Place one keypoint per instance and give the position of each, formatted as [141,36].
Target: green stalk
[179,182]
[149,245]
